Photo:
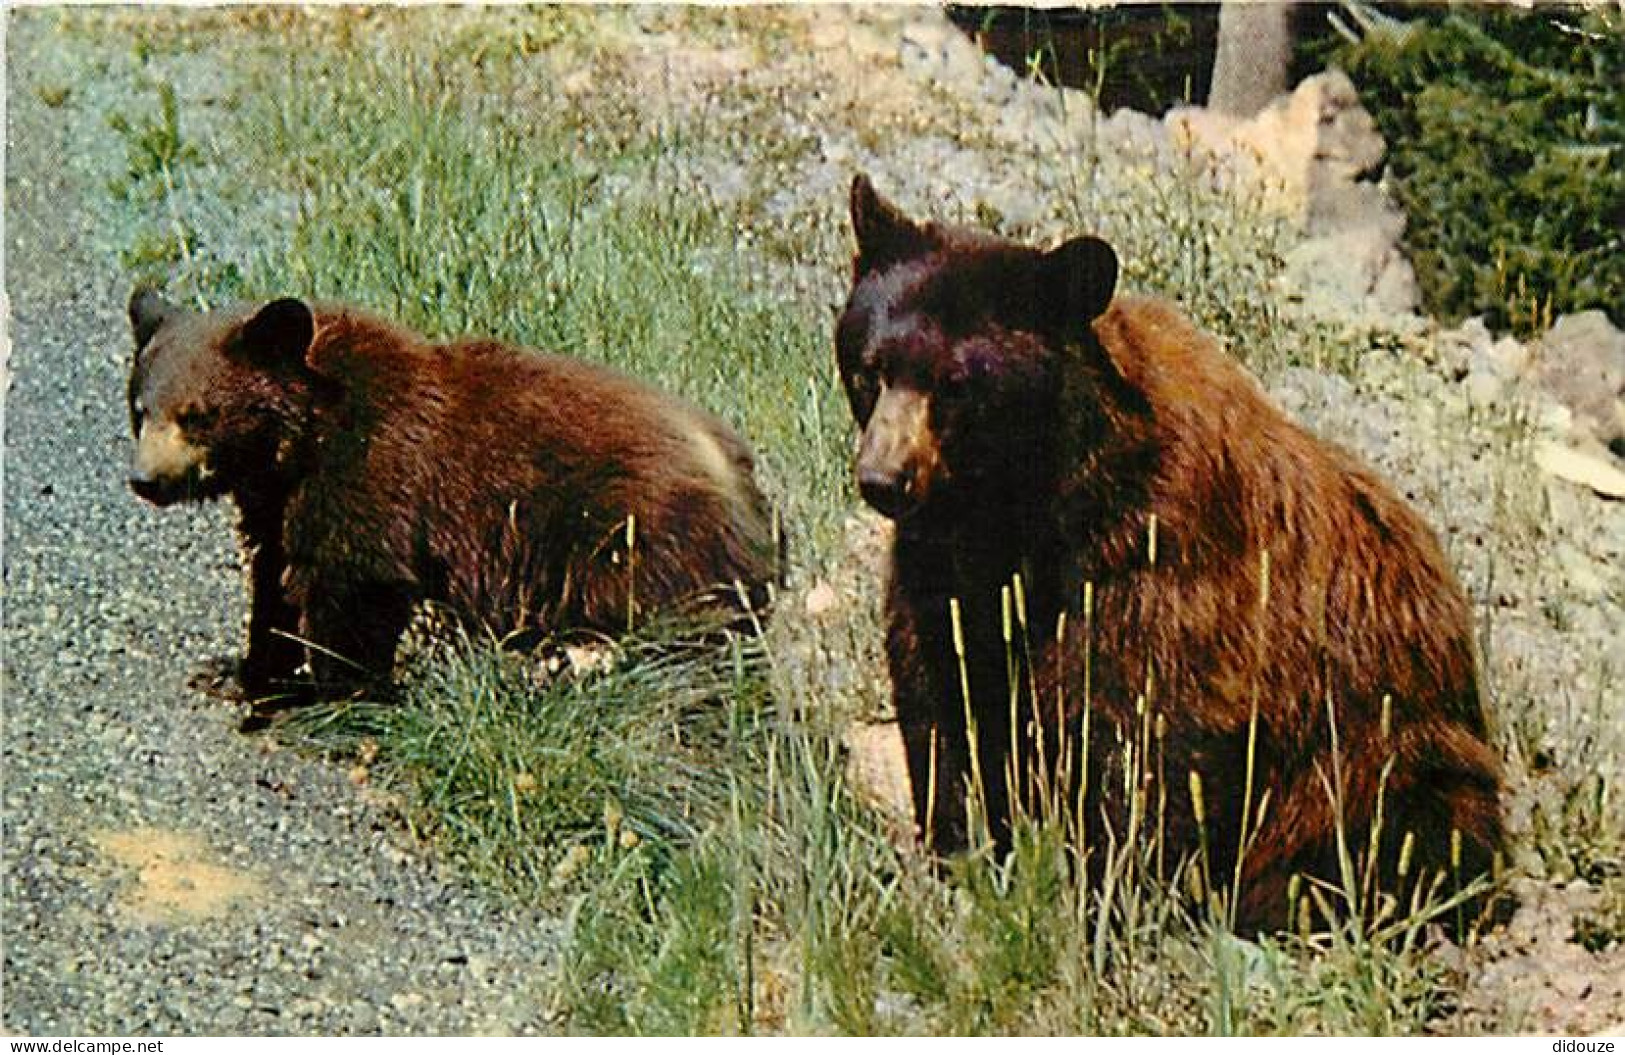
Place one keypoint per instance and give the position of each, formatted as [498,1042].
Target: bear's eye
[861,391]
[955,384]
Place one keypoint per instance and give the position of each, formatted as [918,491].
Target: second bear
[374,470]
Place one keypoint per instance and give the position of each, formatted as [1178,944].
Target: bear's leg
[268,667]
[930,716]
[1451,800]
[1298,838]
[942,770]
[274,652]
[937,768]
[994,761]
[1445,782]
[352,634]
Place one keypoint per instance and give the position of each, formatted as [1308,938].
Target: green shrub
[1506,135]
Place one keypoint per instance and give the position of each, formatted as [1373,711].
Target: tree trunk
[1253,55]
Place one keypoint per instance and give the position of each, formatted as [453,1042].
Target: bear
[373,470]
[1214,611]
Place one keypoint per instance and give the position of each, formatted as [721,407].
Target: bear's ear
[148,310]
[280,332]
[885,236]
[1077,281]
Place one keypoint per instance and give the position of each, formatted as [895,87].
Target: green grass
[689,814]
[498,751]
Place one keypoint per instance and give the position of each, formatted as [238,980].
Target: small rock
[589,659]
[1583,364]
[405,1002]
[481,967]
[1554,418]
[1577,467]
[306,1007]
[1459,348]
[1483,388]
[879,770]
[821,598]
[1508,358]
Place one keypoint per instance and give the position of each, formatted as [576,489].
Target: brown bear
[1213,610]
[374,470]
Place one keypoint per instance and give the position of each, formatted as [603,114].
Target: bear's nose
[144,485]
[151,488]
[886,491]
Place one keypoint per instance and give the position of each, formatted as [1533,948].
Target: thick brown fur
[1019,421]
[374,470]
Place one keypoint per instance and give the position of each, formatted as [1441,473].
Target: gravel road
[162,873]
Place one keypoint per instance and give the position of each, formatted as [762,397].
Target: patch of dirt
[1535,974]
[176,880]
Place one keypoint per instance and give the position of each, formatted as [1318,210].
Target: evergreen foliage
[1506,135]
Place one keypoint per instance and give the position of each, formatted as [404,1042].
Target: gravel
[163,873]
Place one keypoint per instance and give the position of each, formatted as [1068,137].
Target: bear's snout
[167,467]
[887,492]
[158,492]
[168,490]
[898,456]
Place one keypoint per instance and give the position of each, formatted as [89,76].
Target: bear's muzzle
[898,455]
[167,467]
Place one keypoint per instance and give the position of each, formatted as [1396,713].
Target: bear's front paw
[264,675]
[219,678]
[265,709]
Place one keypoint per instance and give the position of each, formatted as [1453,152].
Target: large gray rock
[1308,146]
[1309,151]
[1582,364]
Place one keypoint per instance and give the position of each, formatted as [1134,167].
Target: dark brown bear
[374,470]
[1206,560]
